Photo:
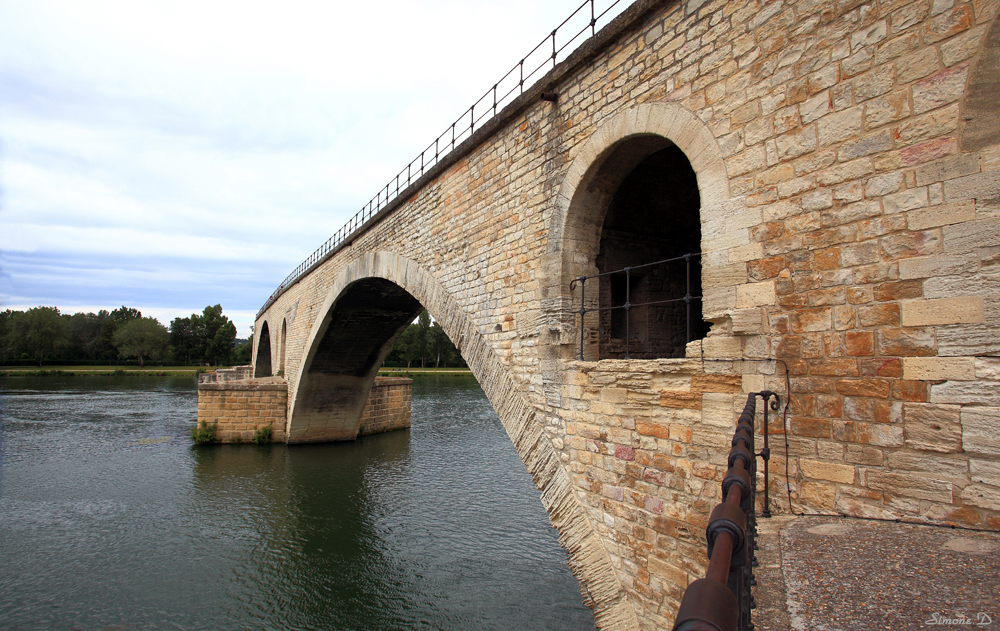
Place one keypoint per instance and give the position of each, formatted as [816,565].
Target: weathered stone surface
[942,311]
[833,472]
[939,368]
[981,430]
[910,485]
[931,427]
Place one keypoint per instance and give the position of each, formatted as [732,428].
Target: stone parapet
[222,375]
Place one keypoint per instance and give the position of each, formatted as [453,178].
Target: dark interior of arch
[358,332]
[653,215]
[262,368]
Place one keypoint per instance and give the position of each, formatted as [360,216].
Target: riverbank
[171,371]
[101,371]
[408,372]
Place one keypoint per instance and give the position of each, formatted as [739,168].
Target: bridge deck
[853,574]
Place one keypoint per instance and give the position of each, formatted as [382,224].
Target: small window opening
[653,216]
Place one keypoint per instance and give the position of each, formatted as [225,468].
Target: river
[110,518]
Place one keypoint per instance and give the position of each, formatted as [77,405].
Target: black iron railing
[723,600]
[627,306]
[556,46]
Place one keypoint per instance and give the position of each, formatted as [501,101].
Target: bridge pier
[239,406]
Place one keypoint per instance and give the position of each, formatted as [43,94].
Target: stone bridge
[837,166]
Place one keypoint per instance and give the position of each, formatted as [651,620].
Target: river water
[111,518]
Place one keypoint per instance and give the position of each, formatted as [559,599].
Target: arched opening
[354,337]
[637,223]
[262,365]
[281,352]
[410,285]
[651,308]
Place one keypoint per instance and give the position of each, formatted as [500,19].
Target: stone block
[718,409]
[981,430]
[969,235]
[724,275]
[720,346]
[910,485]
[833,472]
[939,368]
[863,455]
[938,265]
[981,186]
[930,427]
[944,215]
[839,126]
[955,468]
[878,388]
[947,169]
[906,342]
[818,494]
[957,310]
[939,89]
[755,294]
[985,471]
[981,495]
[879,434]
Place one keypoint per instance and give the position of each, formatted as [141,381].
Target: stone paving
[847,574]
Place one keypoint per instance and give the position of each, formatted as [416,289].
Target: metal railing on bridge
[563,40]
[627,306]
[723,600]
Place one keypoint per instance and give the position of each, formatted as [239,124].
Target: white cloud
[186,153]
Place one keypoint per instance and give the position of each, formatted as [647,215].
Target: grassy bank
[168,371]
[72,371]
[406,372]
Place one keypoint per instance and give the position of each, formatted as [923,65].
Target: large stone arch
[588,558]
[609,155]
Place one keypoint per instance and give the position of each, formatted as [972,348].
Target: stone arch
[282,343]
[262,361]
[980,109]
[614,150]
[389,272]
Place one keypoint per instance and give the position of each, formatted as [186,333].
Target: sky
[172,155]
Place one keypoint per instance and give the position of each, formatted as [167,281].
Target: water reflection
[109,516]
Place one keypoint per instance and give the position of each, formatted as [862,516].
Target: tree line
[44,334]
[425,344]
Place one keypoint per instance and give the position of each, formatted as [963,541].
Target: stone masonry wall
[850,241]
[240,408]
[388,406]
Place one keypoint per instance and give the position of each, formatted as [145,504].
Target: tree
[203,338]
[88,338]
[218,333]
[440,348]
[242,354]
[424,341]
[7,333]
[124,315]
[183,343]
[143,338]
[40,331]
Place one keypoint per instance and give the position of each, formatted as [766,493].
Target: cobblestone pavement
[845,574]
